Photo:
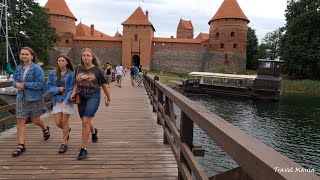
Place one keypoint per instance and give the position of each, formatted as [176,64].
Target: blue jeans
[89,104]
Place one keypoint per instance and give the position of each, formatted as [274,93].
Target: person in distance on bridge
[89,80]
[60,85]
[29,79]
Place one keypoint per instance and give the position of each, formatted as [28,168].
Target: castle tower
[63,20]
[228,28]
[185,29]
[138,33]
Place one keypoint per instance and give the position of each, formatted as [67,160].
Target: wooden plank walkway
[130,145]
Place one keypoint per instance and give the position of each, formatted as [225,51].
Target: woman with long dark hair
[60,85]
[89,79]
[29,79]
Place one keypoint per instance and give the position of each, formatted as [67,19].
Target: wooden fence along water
[255,159]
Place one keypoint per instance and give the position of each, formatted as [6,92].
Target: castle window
[221,45]
[232,34]
[67,41]
[235,45]
[217,34]
[136,37]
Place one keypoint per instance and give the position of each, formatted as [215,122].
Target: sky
[107,15]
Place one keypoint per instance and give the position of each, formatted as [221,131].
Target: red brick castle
[223,49]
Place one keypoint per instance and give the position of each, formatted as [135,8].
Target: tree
[263,51]
[252,49]
[31,24]
[301,42]
[271,43]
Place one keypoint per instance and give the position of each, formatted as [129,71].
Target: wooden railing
[5,107]
[256,160]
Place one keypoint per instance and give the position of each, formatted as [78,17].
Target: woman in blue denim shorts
[28,78]
[60,85]
[89,80]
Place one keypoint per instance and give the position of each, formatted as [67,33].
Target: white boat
[9,91]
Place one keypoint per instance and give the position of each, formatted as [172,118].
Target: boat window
[265,65]
[207,80]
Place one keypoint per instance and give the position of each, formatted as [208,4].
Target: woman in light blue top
[28,78]
[60,84]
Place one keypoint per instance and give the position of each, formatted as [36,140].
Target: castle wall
[137,41]
[177,46]
[177,60]
[232,33]
[215,61]
[111,55]
[106,51]
[63,24]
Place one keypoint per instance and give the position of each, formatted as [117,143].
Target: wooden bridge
[138,139]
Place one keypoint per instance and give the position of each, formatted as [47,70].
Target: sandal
[63,148]
[20,149]
[46,133]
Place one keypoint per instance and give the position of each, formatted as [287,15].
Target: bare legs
[87,127]
[21,133]
[62,121]
[21,127]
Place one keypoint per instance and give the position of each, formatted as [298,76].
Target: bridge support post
[186,136]
[154,90]
[160,101]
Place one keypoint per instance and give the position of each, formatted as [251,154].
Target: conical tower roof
[59,7]
[138,18]
[229,9]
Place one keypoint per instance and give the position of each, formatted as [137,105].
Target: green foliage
[252,49]
[271,43]
[169,77]
[301,42]
[30,23]
[263,51]
[222,69]
[301,86]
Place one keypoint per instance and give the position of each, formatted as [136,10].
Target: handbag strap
[77,70]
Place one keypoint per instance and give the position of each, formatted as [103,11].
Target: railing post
[186,136]
[156,78]
[160,100]
[165,124]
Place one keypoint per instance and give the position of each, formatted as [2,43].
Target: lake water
[290,126]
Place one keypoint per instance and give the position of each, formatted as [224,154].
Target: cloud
[107,15]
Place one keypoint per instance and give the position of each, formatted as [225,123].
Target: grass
[169,78]
[287,85]
[301,86]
